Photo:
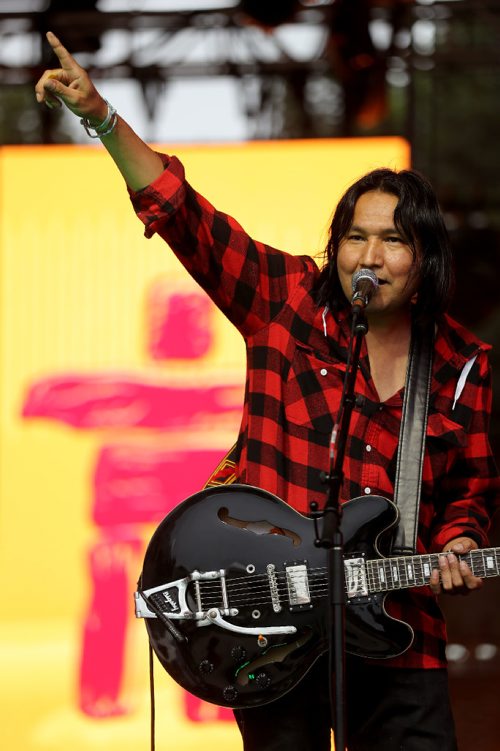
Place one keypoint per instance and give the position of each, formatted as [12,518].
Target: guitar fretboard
[385,574]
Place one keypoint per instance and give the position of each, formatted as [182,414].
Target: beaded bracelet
[103,129]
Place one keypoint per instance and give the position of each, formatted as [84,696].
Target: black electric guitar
[234,591]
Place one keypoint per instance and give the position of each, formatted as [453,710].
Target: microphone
[364,284]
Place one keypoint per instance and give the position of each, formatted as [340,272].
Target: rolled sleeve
[156,203]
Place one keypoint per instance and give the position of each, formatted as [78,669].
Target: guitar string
[285,581]
[285,585]
[249,599]
[263,597]
[418,564]
[284,589]
[375,581]
[252,598]
[411,571]
[372,577]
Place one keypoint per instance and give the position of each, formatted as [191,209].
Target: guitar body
[243,531]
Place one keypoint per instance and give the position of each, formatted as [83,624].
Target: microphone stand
[332,538]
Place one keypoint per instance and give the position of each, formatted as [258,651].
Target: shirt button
[368,491]
[323,371]
[368,447]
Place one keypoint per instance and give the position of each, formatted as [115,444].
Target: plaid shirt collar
[454,346]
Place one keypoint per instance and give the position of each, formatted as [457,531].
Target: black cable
[152,696]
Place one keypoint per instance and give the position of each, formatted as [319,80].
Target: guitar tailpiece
[162,617]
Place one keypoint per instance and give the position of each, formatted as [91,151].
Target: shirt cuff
[451,533]
[156,203]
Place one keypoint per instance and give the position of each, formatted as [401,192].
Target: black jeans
[388,709]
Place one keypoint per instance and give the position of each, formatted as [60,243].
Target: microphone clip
[360,299]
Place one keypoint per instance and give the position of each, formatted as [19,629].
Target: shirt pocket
[313,389]
[445,439]
[446,432]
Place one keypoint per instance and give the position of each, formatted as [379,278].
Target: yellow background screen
[83,301]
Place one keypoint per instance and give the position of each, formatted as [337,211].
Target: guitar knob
[230,693]
[262,680]
[238,653]
[205,667]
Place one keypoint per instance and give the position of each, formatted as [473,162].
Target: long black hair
[418,218]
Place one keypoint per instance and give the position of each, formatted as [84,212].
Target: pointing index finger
[66,60]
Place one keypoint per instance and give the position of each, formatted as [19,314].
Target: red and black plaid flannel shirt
[295,369]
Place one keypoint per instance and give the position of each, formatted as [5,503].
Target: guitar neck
[386,574]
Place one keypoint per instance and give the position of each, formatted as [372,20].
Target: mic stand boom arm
[332,538]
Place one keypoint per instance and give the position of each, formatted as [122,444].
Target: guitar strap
[410,459]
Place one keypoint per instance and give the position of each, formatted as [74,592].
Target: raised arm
[71,85]
[247,279]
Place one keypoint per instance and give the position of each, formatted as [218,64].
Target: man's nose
[373,252]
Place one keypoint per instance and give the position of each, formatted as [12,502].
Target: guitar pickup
[355,578]
[297,581]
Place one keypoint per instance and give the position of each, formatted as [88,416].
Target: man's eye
[394,239]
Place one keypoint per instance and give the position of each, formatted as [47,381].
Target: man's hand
[454,576]
[71,85]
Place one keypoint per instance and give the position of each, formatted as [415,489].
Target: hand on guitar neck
[454,576]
